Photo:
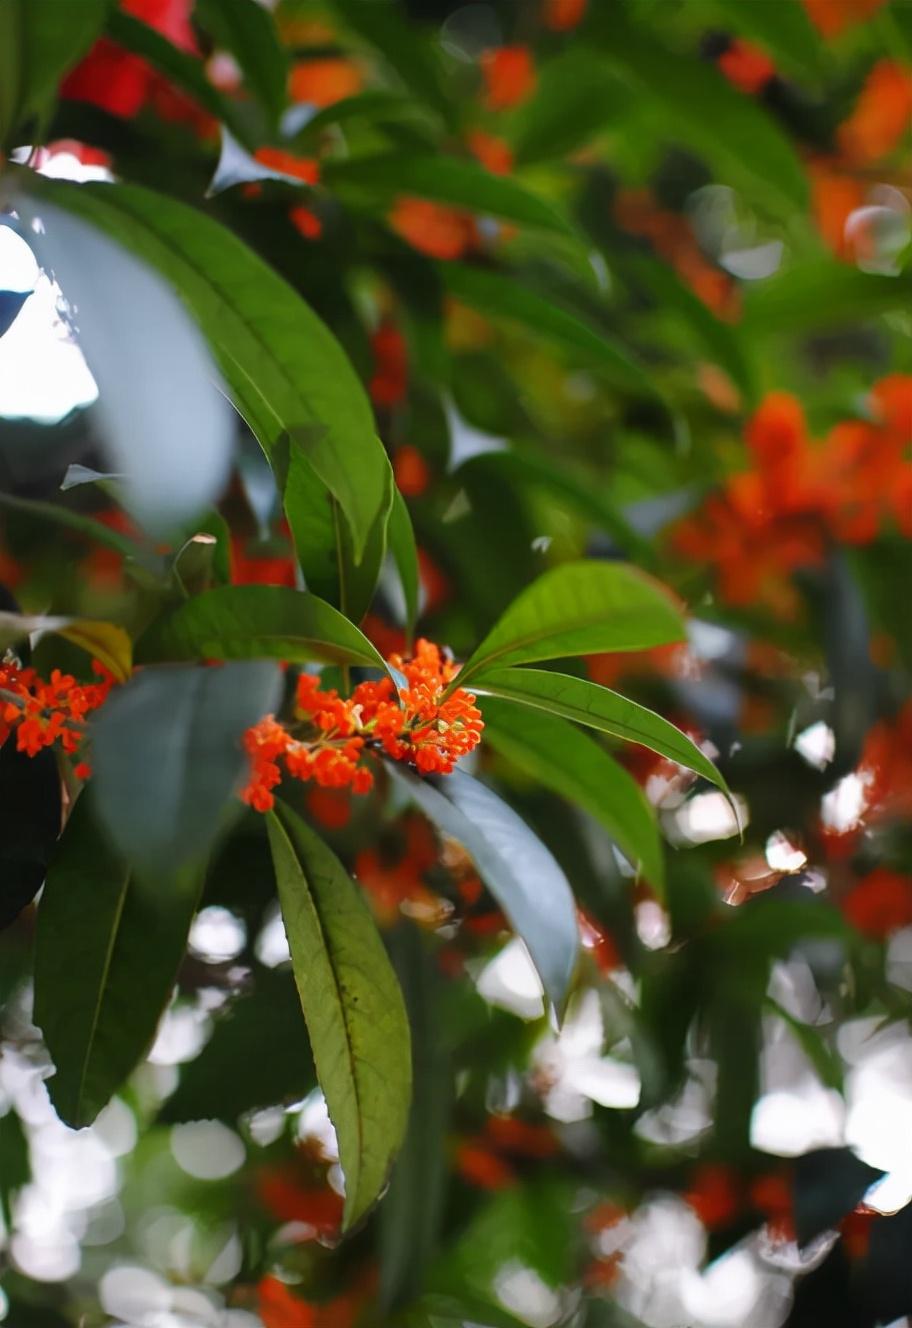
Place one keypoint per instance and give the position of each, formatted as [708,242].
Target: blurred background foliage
[624,280]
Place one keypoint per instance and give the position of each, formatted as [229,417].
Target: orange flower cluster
[637,212]
[389,382]
[42,713]
[329,735]
[395,881]
[781,514]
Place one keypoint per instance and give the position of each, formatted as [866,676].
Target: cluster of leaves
[516,323]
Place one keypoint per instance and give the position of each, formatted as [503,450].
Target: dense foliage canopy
[456,689]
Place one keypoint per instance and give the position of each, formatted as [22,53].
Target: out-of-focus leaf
[186,71]
[784,29]
[503,296]
[374,106]
[599,708]
[828,1184]
[57,514]
[445,180]
[167,756]
[514,864]
[821,294]
[173,447]
[258,1055]
[826,1061]
[703,110]
[248,31]
[236,165]
[30,813]
[352,1003]
[107,955]
[579,608]
[577,95]
[561,758]
[410,1217]
[39,41]
[413,56]
[15,1164]
[440,1311]
[287,373]
[257,622]
[405,555]
[77,475]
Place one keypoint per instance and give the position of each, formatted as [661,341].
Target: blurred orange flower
[323,82]
[882,114]
[433,228]
[509,76]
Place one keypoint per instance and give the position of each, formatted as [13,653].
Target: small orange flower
[410,471]
[432,228]
[389,383]
[772,1196]
[509,76]
[306,222]
[835,197]
[882,114]
[324,82]
[880,903]
[306,169]
[495,154]
[483,1167]
[714,1195]
[562,15]
[48,712]
[746,66]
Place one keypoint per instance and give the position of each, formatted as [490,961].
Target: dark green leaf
[248,31]
[57,514]
[561,758]
[257,622]
[167,756]
[514,864]
[829,1183]
[414,57]
[405,555]
[39,41]
[287,373]
[15,1164]
[352,1004]
[445,180]
[577,95]
[599,708]
[30,811]
[580,608]
[503,296]
[107,955]
[258,1055]
[821,294]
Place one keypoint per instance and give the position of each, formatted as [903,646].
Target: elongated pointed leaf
[58,515]
[514,864]
[107,642]
[287,373]
[167,756]
[352,1004]
[405,554]
[561,758]
[107,954]
[248,30]
[30,815]
[501,295]
[257,622]
[39,41]
[599,708]
[578,609]
[414,56]
[445,180]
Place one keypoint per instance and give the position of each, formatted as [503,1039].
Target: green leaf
[600,708]
[576,96]
[784,29]
[374,106]
[352,1004]
[702,109]
[501,295]
[445,180]
[167,756]
[30,816]
[575,767]
[58,515]
[514,864]
[257,622]
[580,608]
[248,31]
[823,293]
[825,1059]
[828,1184]
[261,1031]
[405,555]
[39,41]
[358,581]
[287,373]
[107,954]
[106,642]
[185,71]
[414,57]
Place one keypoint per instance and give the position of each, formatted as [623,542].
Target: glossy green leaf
[444,179]
[405,555]
[167,756]
[574,766]
[600,708]
[503,296]
[703,110]
[287,373]
[248,31]
[39,41]
[257,622]
[514,864]
[823,293]
[107,955]
[580,608]
[352,1004]
[258,1056]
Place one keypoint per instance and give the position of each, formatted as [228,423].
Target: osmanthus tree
[485,554]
